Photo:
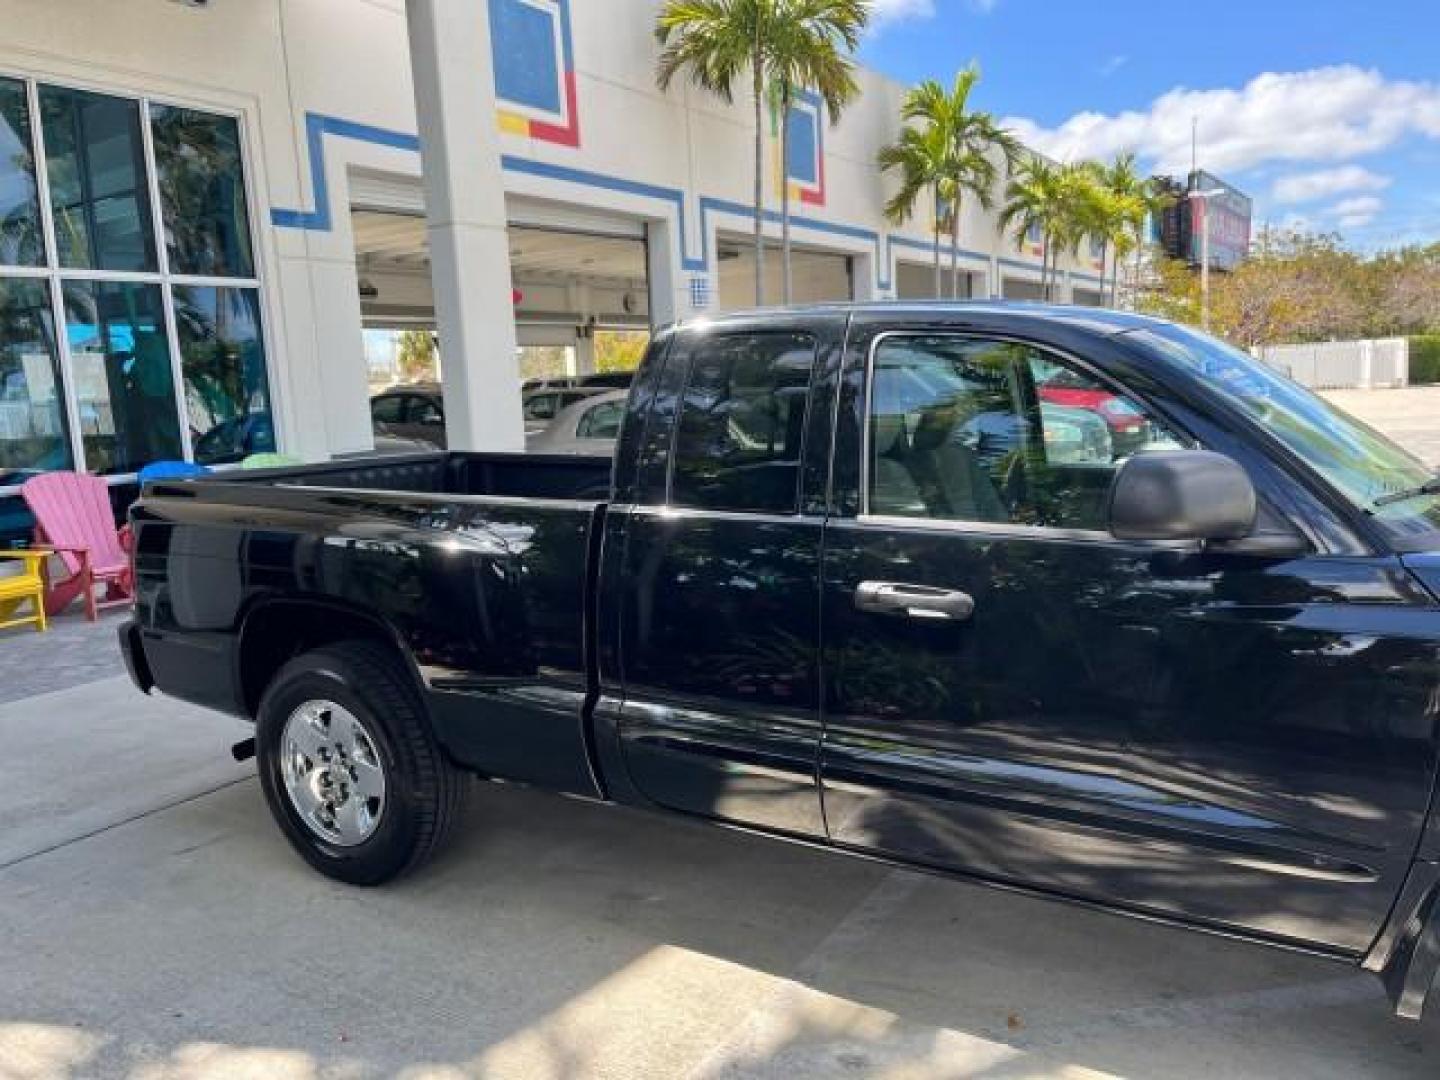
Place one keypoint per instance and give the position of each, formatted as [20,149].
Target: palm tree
[716,41]
[919,157]
[809,46]
[965,144]
[1128,205]
[1035,198]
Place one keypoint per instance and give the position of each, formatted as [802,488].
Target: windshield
[1356,459]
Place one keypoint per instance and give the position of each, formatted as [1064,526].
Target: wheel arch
[275,630]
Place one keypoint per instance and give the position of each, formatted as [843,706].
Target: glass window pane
[971,430]
[120,362]
[602,421]
[95,163]
[387,410]
[202,192]
[33,435]
[742,421]
[222,357]
[21,242]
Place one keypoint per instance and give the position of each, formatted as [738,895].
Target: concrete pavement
[154,925]
[1410,416]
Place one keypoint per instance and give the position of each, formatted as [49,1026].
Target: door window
[602,421]
[965,429]
[742,422]
[541,407]
[425,411]
[387,410]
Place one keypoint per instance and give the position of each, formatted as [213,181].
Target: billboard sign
[1229,222]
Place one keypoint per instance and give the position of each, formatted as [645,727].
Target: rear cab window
[740,432]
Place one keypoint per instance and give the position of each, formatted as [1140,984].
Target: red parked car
[1124,419]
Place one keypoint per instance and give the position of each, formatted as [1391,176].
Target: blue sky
[1327,112]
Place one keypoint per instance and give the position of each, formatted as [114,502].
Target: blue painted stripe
[318,125]
[928,246]
[550,171]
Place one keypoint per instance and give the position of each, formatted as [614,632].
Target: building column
[450,63]
[863,278]
[995,286]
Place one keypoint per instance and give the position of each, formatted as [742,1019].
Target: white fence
[1343,365]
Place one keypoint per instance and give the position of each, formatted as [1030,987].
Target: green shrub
[1425,358]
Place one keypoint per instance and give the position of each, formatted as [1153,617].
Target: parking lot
[153,924]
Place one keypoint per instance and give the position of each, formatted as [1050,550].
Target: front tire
[350,769]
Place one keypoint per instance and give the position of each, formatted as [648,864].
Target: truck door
[1013,692]
[719,577]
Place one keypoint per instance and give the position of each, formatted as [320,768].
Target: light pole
[1204,197]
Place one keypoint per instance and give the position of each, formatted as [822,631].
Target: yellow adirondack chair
[27,587]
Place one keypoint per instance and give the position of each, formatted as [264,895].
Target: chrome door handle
[914,601]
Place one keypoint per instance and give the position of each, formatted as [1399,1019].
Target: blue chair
[170,470]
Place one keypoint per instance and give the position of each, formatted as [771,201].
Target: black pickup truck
[1059,599]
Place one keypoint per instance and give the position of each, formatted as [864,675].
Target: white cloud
[1324,114]
[1322,184]
[1356,212]
[887,11]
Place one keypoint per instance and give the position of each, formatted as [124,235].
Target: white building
[211,201]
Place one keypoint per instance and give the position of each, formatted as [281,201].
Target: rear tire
[351,771]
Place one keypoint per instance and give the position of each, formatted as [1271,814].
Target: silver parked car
[589,426]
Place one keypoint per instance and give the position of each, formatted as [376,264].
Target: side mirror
[1181,495]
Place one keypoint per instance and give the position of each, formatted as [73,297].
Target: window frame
[55,275]
[692,348]
[1001,528]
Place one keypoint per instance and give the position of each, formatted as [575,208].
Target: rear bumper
[133,650]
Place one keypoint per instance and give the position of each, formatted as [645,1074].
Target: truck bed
[478,565]
[554,476]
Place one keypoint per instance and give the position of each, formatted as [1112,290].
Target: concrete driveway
[1410,416]
[153,924]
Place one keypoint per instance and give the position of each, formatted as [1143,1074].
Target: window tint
[387,410]
[124,386]
[742,420]
[202,192]
[96,167]
[424,410]
[601,421]
[541,407]
[33,433]
[21,242]
[222,358]
[972,430]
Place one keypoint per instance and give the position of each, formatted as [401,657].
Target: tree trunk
[1104,267]
[785,197]
[939,290]
[757,65]
[955,248]
[1135,282]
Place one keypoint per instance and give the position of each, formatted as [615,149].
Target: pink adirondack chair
[73,517]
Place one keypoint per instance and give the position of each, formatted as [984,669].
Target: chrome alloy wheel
[332,772]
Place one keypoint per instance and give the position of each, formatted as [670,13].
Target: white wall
[288,66]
